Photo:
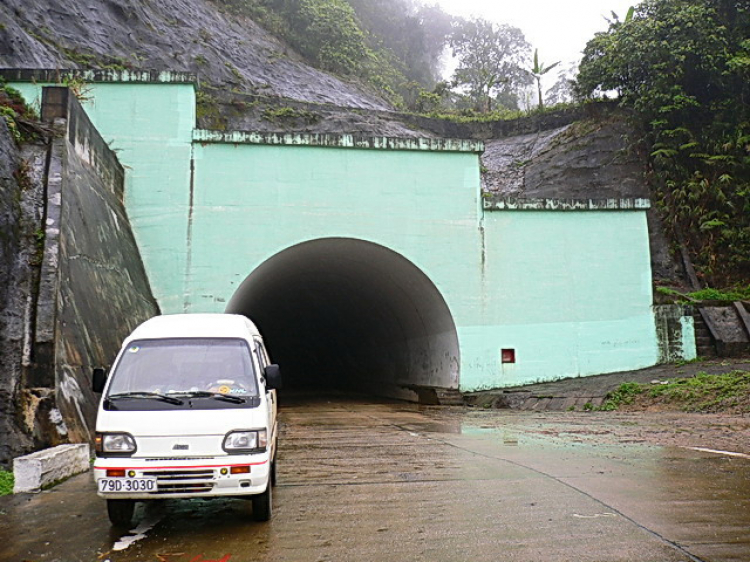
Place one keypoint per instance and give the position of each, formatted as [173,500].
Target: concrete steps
[727,326]
[705,346]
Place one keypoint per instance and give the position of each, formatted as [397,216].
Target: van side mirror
[98,380]
[273,377]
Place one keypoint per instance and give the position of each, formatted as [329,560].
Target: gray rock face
[254,113]
[9,249]
[506,160]
[579,161]
[17,226]
[179,35]
[9,211]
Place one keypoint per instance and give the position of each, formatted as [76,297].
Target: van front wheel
[262,505]
[120,512]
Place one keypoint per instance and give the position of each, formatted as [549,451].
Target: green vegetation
[92,60]
[499,114]
[537,71]
[81,90]
[709,294]
[389,44]
[701,393]
[290,114]
[736,294]
[6,482]
[207,109]
[85,60]
[491,59]
[683,67]
[17,113]
[625,394]
[236,73]
[396,47]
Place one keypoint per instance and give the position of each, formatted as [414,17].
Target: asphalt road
[376,481]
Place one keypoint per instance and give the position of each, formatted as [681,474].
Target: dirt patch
[716,432]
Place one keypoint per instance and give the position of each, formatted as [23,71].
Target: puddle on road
[435,427]
[506,437]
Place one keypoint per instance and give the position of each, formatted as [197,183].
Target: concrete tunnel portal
[346,314]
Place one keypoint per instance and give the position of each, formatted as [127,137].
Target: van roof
[195,326]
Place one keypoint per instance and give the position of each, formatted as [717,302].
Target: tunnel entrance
[340,313]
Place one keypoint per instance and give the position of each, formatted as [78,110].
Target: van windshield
[190,367]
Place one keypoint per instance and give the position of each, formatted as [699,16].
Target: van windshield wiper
[152,395]
[217,395]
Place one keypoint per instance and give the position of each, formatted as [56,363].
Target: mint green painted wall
[150,127]
[569,291]
[253,201]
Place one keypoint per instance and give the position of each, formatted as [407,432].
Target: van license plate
[119,485]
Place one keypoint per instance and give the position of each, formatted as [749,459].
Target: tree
[538,71]
[326,31]
[416,35]
[562,91]
[491,60]
[683,66]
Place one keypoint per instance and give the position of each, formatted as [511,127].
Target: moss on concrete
[6,482]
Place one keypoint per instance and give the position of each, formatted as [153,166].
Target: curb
[48,466]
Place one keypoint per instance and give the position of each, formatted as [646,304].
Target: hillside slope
[229,53]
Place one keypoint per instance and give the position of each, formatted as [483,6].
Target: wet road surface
[371,481]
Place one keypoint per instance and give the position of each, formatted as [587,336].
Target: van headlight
[122,443]
[254,441]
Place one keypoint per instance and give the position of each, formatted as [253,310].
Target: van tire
[121,512]
[272,477]
[262,505]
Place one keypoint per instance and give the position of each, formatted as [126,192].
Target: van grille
[182,481]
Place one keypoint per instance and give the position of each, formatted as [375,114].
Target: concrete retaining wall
[102,291]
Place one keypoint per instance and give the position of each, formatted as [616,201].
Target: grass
[733,294]
[710,294]
[6,482]
[624,395]
[501,114]
[701,393]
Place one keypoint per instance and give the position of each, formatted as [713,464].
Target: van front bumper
[235,475]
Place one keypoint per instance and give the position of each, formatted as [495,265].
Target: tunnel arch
[350,314]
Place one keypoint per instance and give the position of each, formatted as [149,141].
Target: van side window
[260,353]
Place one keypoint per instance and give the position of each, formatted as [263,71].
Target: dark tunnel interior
[346,314]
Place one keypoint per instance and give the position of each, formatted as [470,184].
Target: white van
[187,411]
